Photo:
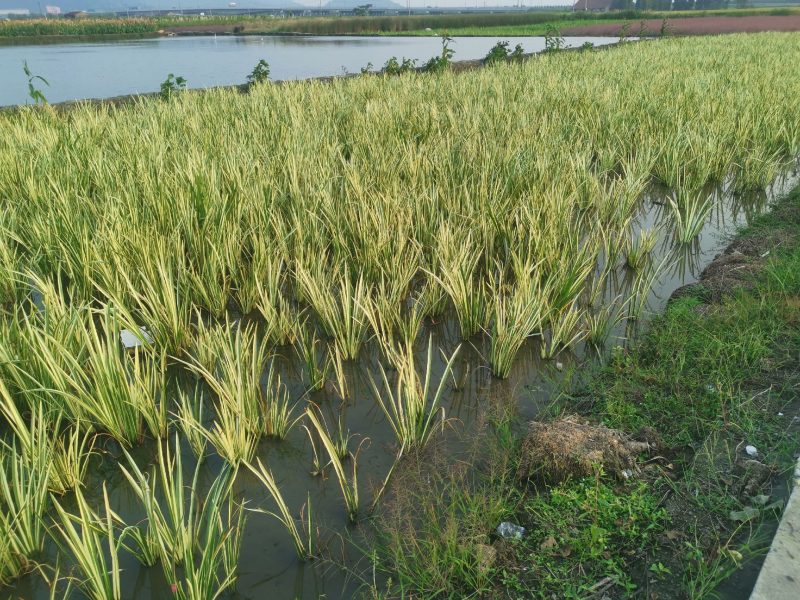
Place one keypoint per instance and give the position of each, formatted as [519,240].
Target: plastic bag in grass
[509,531]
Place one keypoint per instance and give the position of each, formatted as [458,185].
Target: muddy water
[268,566]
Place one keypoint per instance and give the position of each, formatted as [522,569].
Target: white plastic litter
[510,531]
[751,450]
[130,340]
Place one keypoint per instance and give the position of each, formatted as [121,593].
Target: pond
[77,71]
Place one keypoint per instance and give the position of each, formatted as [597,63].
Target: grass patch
[515,30]
[687,375]
[694,372]
[583,533]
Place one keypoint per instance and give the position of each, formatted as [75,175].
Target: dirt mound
[723,276]
[571,446]
[693,26]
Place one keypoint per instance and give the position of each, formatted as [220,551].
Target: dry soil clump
[570,446]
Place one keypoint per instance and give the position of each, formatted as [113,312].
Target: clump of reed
[245,409]
[517,313]
[600,323]
[349,486]
[411,405]
[689,214]
[43,442]
[189,416]
[24,498]
[498,196]
[316,367]
[459,277]
[339,301]
[304,541]
[194,534]
[85,373]
[637,251]
[92,541]
[564,330]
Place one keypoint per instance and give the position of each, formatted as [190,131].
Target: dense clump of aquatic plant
[245,408]
[689,215]
[328,219]
[517,314]
[194,534]
[638,250]
[92,539]
[316,366]
[412,404]
[25,497]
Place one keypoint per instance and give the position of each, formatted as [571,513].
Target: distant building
[14,12]
[52,10]
[592,5]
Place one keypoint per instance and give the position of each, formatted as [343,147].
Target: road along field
[307,266]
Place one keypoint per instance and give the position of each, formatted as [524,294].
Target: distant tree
[660,4]
[710,4]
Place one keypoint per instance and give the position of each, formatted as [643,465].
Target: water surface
[114,68]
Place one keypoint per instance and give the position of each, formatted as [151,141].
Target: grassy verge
[517,30]
[718,371]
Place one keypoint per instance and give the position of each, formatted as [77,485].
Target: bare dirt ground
[694,26]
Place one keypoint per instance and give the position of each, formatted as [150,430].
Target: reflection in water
[686,261]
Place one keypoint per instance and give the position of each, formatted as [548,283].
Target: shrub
[553,40]
[438,64]
[172,85]
[498,53]
[259,74]
[393,67]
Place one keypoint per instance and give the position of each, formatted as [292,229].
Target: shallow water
[114,68]
[268,566]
